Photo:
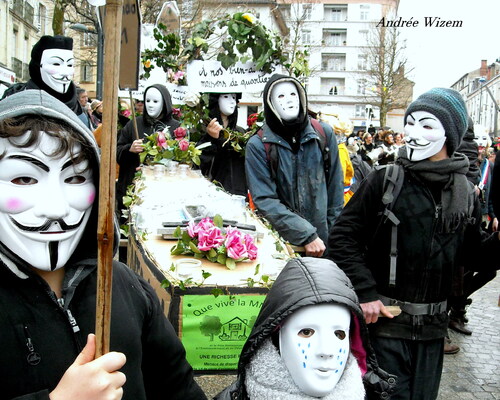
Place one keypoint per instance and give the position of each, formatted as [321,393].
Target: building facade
[22,23]
[480,89]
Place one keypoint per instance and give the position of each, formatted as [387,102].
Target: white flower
[192,99]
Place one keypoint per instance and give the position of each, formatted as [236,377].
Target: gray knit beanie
[449,107]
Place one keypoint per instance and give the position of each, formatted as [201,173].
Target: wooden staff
[106,228]
[136,132]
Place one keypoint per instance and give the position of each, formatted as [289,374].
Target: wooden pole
[105,228]
[136,132]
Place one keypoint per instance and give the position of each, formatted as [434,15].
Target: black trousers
[417,364]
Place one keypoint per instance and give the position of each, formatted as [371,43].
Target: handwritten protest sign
[177,93]
[214,329]
[211,76]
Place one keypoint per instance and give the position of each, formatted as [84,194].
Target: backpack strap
[271,155]
[323,144]
[393,182]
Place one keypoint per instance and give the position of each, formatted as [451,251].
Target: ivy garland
[243,39]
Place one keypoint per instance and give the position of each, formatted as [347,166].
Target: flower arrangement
[206,239]
[159,146]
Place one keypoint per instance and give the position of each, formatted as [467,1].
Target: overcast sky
[441,56]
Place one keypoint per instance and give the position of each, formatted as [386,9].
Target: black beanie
[46,42]
[449,107]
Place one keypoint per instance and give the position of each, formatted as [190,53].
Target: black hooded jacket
[146,125]
[307,281]
[41,336]
[470,149]
[219,161]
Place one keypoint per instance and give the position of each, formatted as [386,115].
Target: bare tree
[387,70]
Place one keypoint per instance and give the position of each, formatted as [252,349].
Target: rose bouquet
[159,146]
[206,239]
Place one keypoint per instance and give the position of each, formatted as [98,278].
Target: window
[29,13]
[332,86]
[87,72]
[89,39]
[41,18]
[306,11]
[363,34]
[364,12]
[334,37]
[333,62]
[360,111]
[361,86]
[306,37]
[362,63]
[335,14]
[18,7]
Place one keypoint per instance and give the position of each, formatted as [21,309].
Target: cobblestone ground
[472,373]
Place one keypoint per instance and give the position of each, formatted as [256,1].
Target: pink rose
[210,239]
[192,229]
[235,244]
[178,75]
[251,247]
[180,133]
[161,140]
[183,145]
[126,113]
[176,112]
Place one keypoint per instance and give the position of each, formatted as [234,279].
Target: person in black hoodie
[49,177]
[304,194]
[157,116]
[220,162]
[51,69]
[266,368]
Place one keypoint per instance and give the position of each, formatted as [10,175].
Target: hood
[286,129]
[307,281]
[166,113]
[45,43]
[214,111]
[38,102]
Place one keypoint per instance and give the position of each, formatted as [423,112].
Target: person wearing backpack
[293,171]
[404,237]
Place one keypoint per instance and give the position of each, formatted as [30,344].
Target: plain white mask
[314,345]
[285,100]
[57,69]
[45,202]
[227,104]
[154,102]
[424,135]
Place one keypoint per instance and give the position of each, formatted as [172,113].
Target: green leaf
[217,292]
[257,267]
[165,283]
[177,233]
[205,274]
[218,221]
[212,253]
[193,248]
[221,259]
[230,263]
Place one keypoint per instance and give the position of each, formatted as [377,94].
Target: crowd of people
[421,208]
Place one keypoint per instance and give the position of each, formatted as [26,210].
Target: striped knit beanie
[449,107]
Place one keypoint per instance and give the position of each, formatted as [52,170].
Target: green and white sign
[214,329]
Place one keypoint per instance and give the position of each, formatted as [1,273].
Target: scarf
[267,378]
[456,206]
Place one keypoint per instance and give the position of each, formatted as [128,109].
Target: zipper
[33,357]
[71,319]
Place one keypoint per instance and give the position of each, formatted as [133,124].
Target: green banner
[214,329]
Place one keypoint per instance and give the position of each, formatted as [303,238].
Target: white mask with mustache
[45,202]
[314,345]
[57,69]
[424,135]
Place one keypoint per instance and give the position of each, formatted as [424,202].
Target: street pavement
[472,373]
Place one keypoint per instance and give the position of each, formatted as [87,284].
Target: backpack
[272,151]
[392,184]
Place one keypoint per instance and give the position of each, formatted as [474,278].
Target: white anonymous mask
[314,345]
[57,69]
[424,135]
[285,100]
[481,139]
[227,104]
[45,202]
[154,102]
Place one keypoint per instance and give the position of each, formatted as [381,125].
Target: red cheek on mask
[92,198]
[13,205]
